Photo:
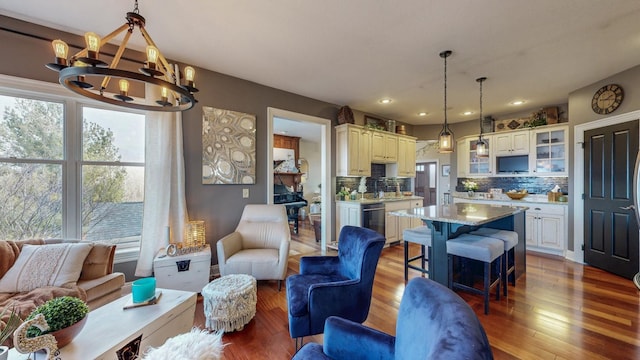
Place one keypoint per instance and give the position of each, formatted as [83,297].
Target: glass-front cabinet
[479,165]
[550,151]
[469,164]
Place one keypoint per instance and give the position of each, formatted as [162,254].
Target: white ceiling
[355,52]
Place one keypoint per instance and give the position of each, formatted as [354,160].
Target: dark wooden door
[610,223]
[426,174]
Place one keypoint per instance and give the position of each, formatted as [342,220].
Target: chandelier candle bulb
[152,56]
[93,44]
[124,87]
[61,50]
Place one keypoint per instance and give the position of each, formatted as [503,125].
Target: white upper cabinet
[384,147]
[549,151]
[511,143]
[353,146]
[469,164]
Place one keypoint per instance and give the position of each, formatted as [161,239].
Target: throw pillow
[45,265]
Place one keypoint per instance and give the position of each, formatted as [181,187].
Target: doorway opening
[317,164]
[426,182]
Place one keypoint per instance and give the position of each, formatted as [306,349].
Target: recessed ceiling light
[517,102]
[422,114]
[385,101]
[467,113]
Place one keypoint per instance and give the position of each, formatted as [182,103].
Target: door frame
[577,254]
[438,175]
[325,148]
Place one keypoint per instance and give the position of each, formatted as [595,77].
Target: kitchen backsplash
[376,183]
[533,184]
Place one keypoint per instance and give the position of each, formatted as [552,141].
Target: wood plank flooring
[558,310]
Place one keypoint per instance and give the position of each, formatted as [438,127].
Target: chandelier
[482,147]
[74,72]
[446,135]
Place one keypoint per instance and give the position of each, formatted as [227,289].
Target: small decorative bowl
[516,195]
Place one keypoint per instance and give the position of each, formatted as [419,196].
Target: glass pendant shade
[482,148]
[446,140]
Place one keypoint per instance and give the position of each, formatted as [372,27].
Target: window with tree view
[112,175]
[58,181]
[31,150]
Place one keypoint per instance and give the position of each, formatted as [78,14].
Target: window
[31,163]
[112,176]
[62,177]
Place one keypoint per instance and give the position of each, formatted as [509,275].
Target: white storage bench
[189,272]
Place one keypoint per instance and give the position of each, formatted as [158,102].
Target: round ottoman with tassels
[230,302]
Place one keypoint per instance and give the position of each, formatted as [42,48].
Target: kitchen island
[449,221]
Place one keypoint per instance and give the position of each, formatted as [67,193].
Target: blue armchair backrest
[358,250]
[435,323]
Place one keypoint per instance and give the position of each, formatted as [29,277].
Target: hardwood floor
[558,310]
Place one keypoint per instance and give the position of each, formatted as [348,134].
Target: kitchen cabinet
[406,157]
[347,213]
[462,155]
[353,151]
[384,147]
[546,229]
[511,143]
[469,164]
[395,225]
[549,151]
[415,222]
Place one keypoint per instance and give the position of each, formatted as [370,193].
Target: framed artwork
[228,147]
[374,123]
[445,170]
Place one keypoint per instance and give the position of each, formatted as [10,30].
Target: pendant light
[446,135]
[482,147]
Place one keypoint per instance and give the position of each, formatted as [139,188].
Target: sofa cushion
[45,265]
[99,262]
[101,286]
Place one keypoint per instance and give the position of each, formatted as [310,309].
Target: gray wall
[220,206]
[580,113]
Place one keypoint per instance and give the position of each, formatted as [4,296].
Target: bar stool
[510,239]
[481,248]
[419,235]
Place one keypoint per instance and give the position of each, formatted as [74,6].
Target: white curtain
[165,205]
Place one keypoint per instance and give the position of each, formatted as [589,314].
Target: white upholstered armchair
[259,246]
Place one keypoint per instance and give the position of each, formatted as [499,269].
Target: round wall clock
[607,99]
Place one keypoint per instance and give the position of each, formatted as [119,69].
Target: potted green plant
[65,316]
[470,186]
[12,323]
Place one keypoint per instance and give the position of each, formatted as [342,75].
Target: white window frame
[72,161]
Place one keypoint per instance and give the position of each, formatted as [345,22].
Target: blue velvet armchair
[334,285]
[433,323]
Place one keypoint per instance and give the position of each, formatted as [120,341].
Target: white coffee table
[109,328]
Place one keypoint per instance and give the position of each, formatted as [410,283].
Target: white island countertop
[461,213]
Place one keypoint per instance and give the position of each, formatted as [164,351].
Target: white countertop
[503,198]
[461,213]
[380,200]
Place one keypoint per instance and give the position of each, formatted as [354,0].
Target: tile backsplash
[533,184]
[376,182]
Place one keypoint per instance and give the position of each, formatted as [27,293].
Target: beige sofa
[97,283]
